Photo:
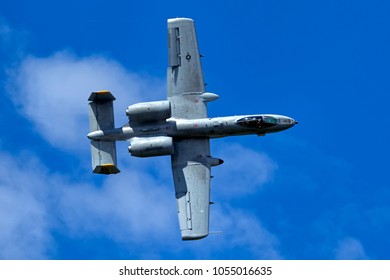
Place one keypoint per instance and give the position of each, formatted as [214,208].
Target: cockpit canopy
[270,121]
[257,121]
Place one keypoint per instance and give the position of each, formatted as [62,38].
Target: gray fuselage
[202,128]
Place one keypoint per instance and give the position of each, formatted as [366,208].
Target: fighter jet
[178,127]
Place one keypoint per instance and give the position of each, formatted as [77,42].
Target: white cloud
[244,171]
[24,221]
[242,230]
[350,249]
[52,93]
[128,208]
[132,209]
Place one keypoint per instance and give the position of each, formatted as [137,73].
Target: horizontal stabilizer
[101,117]
[101,110]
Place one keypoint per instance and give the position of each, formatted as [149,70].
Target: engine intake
[149,111]
[152,146]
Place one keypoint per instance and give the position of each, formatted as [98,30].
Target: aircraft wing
[190,162]
[185,81]
[191,175]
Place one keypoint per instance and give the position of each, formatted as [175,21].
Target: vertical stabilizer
[101,117]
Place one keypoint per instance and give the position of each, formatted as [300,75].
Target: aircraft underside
[178,127]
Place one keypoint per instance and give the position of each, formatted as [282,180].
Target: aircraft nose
[292,122]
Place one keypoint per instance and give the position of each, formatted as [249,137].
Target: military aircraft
[178,126]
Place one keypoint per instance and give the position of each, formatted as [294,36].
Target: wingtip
[106,169]
[101,96]
[190,235]
[178,19]
[197,237]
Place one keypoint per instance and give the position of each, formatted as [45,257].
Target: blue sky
[317,191]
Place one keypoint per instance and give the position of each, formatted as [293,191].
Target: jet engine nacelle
[151,146]
[149,111]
